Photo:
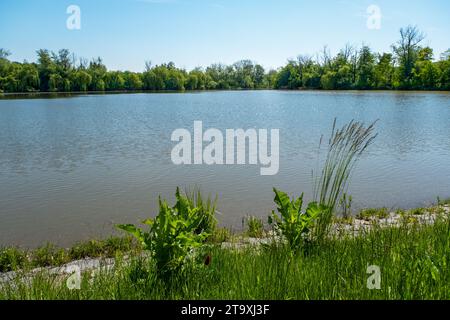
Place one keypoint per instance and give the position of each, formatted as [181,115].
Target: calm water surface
[72,167]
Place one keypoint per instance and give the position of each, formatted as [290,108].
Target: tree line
[408,66]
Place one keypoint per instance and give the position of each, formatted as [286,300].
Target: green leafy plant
[173,233]
[293,223]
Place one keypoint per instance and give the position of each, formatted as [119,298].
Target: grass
[254,226]
[414,262]
[443,202]
[369,213]
[418,211]
[207,209]
[345,147]
[50,255]
[12,259]
[220,235]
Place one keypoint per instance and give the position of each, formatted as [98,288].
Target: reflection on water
[73,166]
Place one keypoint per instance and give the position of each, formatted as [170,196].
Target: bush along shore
[303,251]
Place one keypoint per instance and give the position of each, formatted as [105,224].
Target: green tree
[82,80]
[328,80]
[192,82]
[28,77]
[64,71]
[97,71]
[406,50]
[55,82]
[4,54]
[444,70]
[426,74]
[409,67]
[311,76]
[365,69]
[46,67]
[342,70]
[270,79]
[114,81]
[132,81]
[175,80]
[219,76]
[384,71]
[288,77]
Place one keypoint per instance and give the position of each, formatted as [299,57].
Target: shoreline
[109,232]
[92,252]
[77,93]
[409,253]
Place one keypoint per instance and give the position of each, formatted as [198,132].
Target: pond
[73,166]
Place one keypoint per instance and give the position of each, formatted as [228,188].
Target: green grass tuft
[254,226]
[369,213]
[12,259]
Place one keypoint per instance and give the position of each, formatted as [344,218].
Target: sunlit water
[72,167]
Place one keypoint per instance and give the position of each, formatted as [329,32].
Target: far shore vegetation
[408,66]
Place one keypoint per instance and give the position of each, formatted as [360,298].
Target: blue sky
[126,33]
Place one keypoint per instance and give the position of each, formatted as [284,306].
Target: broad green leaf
[133,230]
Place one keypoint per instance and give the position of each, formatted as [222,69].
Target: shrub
[293,223]
[173,234]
